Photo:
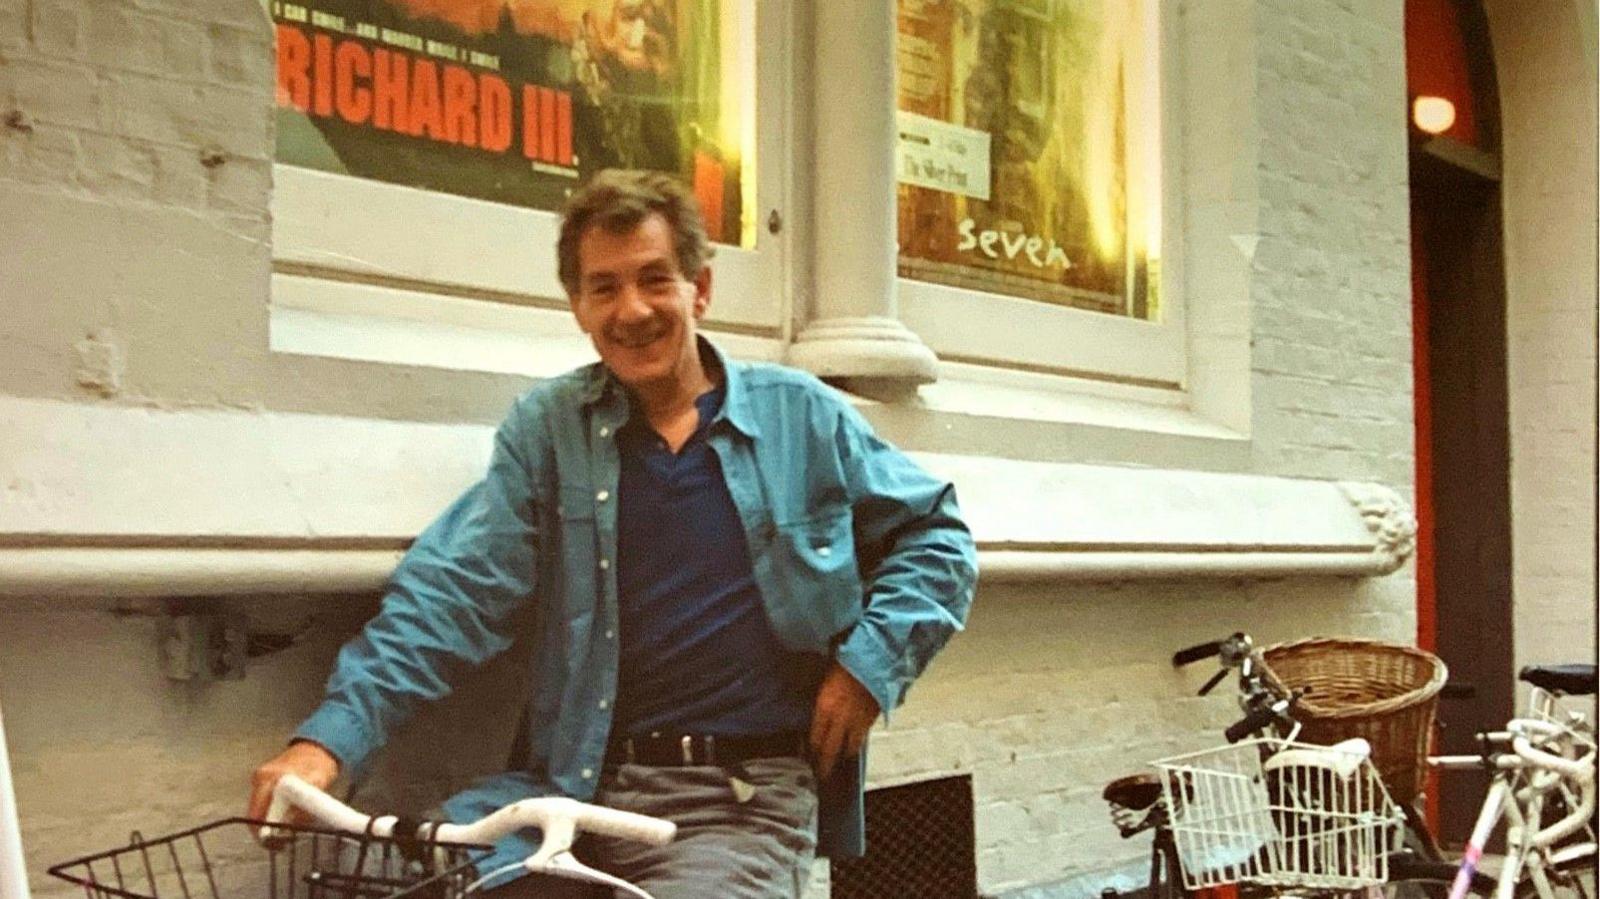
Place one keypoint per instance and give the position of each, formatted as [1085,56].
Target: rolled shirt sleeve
[451,604]
[918,562]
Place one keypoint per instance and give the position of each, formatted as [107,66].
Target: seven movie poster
[1029,149]
[515,101]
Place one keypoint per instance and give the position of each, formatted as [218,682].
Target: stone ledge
[110,500]
[1047,521]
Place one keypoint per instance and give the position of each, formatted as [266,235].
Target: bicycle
[1262,810]
[1547,768]
[1543,766]
[351,855]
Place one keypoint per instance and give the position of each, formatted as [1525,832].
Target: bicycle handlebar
[1580,770]
[1195,653]
[548,812]
[551,814]
[1257,719]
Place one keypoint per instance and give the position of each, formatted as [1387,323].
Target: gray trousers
[758,849]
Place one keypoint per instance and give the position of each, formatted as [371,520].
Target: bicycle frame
[1524,777]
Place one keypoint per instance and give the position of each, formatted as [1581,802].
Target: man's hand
[304,759]
[843,715]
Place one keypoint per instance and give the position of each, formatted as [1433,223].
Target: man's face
[636,305]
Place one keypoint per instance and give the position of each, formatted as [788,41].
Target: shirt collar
[735,400]
[736,396]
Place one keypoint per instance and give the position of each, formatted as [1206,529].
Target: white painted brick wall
[120,101]
[1549,197]
[1331,306]
[117,108]
[1049,693]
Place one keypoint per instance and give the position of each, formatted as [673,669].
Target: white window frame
[369,270]
[957,323]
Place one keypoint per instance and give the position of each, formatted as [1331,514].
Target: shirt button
[605,432]
[604,704]
[588,774]
[604,564]
[611,635]
[603,495]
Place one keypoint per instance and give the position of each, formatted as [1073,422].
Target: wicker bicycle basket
[1384,692]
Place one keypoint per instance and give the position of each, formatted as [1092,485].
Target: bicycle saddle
[1136,791]
[1573,680]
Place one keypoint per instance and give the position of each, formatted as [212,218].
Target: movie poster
[1029,149]
[514,101]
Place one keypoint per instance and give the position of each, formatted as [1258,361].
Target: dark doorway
[1463,437]
[1464,610]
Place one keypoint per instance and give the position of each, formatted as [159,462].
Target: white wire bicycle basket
[1280,814]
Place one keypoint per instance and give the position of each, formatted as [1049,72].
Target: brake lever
[1212,683]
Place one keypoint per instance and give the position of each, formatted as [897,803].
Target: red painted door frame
[1422,414]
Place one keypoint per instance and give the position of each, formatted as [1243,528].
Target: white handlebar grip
[324,809]
[626,825]
[278,808]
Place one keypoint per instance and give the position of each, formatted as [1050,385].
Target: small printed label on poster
[942,156]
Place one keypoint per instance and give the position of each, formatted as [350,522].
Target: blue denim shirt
[857,551]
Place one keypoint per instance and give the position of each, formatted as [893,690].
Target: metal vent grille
[920,845]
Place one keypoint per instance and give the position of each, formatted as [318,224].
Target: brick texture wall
[1547,89]
[1332,316]
[136,143]
[166,103]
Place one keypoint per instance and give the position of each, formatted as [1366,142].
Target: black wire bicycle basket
[226,860]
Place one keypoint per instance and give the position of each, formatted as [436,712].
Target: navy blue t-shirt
[697,653]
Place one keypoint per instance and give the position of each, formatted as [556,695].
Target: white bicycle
[1543,790]
[351,855]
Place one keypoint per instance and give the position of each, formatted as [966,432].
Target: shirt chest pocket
[578,552]
[817,559]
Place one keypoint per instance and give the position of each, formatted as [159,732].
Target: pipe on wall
[79,572]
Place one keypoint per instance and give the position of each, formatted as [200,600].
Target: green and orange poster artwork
[514,101]
[1029,149]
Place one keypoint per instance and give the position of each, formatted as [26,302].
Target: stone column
[854,333]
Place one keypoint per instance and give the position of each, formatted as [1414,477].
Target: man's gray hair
[618,200]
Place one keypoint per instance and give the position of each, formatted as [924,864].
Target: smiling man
[726,576]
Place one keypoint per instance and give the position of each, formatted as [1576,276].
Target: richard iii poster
[514,101]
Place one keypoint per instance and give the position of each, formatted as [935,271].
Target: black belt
[674,750]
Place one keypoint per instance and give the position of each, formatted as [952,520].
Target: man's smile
[637,339]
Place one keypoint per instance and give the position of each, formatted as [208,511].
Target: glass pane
[1030,148]
[516,101]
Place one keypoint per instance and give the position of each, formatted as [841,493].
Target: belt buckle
[688,749]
